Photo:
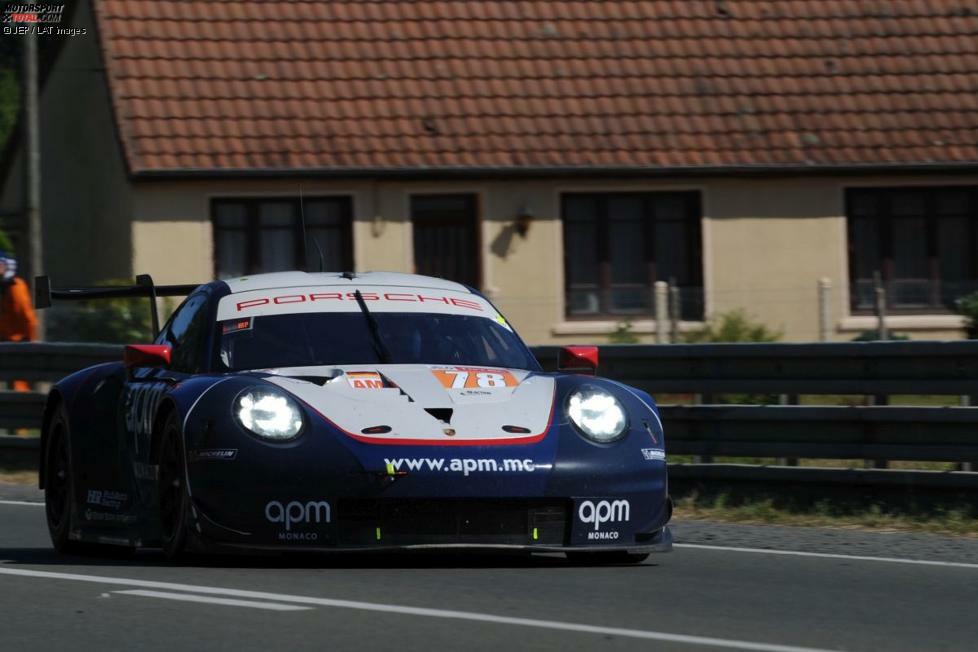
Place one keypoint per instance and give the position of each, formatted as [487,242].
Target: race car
[348,411]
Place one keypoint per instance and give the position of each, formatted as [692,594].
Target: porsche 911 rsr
[333,412]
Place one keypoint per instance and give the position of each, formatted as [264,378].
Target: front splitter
[661,541]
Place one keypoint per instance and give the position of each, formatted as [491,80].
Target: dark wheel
[175,522]
[58,491]
[614,557]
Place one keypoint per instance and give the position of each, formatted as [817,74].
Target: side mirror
[578,360]
[146,355]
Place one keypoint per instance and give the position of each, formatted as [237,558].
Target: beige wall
[766,243]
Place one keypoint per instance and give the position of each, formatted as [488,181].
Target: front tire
[174,498]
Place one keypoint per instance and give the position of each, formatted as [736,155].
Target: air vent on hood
[319,380]
[442,414]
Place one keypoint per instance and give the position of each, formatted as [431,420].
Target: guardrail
[873,368]
[42,362]
[879,433]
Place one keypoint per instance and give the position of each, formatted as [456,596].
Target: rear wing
[44,294]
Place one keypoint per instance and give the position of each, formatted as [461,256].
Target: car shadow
[319,560]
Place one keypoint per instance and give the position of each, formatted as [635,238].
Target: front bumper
[528,524]
[327,491]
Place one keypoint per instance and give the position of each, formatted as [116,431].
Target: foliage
[736,326]
[623,334]
[732,326]
[874,336]
[114,321]
[6,244]
[968,306]
[9,102]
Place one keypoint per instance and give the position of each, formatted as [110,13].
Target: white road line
[186,597]
[730,644]
[20,502]
[827,555]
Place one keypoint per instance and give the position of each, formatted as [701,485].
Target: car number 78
[462,378]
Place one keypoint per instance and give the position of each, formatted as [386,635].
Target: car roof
[276,280]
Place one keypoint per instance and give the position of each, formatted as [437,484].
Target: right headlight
[597,414]
[268,413]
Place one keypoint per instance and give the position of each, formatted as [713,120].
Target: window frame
[694,246]
[253,228]
[883,219]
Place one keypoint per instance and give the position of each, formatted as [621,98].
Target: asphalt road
[718,590]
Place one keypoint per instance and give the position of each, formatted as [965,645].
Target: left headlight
[268,413]
[597,414]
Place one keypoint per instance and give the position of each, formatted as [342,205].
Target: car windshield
[342,338]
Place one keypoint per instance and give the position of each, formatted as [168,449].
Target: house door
[446,237]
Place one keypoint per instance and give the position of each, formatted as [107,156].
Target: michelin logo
[297,513]
[653,454]
[604,511]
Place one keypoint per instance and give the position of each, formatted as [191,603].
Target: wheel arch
[166,408]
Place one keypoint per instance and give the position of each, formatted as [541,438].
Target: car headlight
[597,414]
[268,413]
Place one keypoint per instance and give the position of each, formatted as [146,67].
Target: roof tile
[272,84]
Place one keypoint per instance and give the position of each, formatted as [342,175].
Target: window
[186,332]
[265,235]
[446,237]
[923,242]
[332,338]
[616,246]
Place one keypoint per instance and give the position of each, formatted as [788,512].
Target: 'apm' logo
[296,513]
[604,511]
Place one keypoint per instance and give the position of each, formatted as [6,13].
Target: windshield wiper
[382,351]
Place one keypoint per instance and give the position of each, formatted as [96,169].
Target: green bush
[874,336]
[6,244]
[968,306]
[736,326]
[623,334]
[112,321]
[732,326]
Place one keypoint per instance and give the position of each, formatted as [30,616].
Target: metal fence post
[966,401]
[824,310]
[880,293]
[661,312]
[787,399]
[674,313]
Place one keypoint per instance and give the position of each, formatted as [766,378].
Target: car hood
[426,404]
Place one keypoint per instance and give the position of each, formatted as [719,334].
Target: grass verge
[955,516]
[18,477]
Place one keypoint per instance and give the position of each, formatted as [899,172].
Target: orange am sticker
[365,380]
[473,378]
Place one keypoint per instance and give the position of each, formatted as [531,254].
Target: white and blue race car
[333,412]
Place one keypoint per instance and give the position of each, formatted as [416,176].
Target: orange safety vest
[18,323]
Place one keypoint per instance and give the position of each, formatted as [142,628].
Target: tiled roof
[273,85]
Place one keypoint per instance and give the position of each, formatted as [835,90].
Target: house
[560,155]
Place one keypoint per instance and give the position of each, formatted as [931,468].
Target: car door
[186,333]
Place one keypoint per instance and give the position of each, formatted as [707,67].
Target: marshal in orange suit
[18,323]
